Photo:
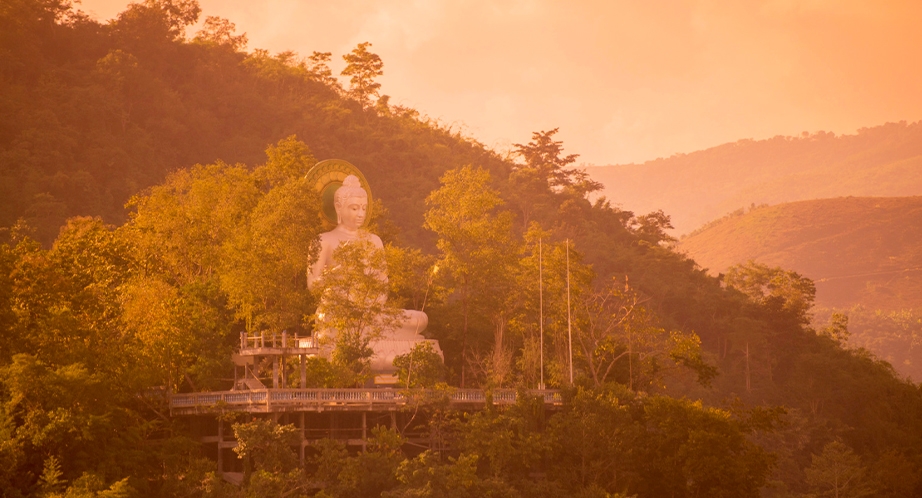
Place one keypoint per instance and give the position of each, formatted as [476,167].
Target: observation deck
[355,400]
[345,415]
[263,360]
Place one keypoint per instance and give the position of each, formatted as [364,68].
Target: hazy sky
[625,80]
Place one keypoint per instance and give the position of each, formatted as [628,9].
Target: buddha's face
[352,212]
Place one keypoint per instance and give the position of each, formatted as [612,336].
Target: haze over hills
[694,188]
[858,250]
[864,254]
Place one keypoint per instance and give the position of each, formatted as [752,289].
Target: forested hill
[698,187]
[675,383]
[858,250]
[864,253]
[92,113]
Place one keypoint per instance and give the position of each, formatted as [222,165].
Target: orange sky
[625,80]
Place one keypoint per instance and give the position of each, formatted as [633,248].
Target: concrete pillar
[301,446]
[220,440]
[364,431]
[303,371]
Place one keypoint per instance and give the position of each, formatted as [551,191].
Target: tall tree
[550,276]
[545,182]
[264,260]
[220,31]
[363,67]
[476,245]
[318,66]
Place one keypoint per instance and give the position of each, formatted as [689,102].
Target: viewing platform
[260,345]
[261,374]
[354,400]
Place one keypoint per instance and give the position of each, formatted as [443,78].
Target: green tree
[652,227]
[353,308]
[161,318]
[212,244]
[180,227]
[65,412]
[264,262]
[693,450]
[318,66]
[270,461]
[66,301]
[509,443]
[91,485]
[266,445]
[592,440]
[477,250]
[544,155]
[363,67]
[51,483]
[837,328]
[146,26]
[774,287]
[893,336]
[421,367]
[619,335]
[894,475]
[782,302]
[541,185]
[426,476]
[548,270]
[412,277]
[838,472]
[369,473]
[220,31]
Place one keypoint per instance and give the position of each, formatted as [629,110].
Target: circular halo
[326,177]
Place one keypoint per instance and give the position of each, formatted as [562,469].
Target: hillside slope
[882,161]
[859,250]
[92,113]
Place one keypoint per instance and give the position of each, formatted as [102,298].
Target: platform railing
[269,400]
[262,341]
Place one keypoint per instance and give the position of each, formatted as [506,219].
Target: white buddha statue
[351,204]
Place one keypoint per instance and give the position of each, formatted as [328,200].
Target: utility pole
[569,326]
[541,310]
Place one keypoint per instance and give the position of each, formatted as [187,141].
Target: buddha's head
[351,203]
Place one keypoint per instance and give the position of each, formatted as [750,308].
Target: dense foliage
[895,336]
[862,252]
[103,320]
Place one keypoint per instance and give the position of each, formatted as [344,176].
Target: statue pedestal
[387,349]
[389,344]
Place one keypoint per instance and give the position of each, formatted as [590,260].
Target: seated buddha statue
[351,205]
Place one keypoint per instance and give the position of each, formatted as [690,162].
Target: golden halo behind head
[326,177]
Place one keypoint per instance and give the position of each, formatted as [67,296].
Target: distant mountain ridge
[859,250]
[694,188]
